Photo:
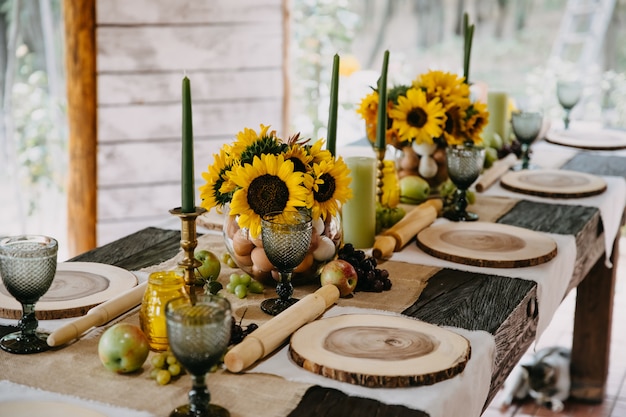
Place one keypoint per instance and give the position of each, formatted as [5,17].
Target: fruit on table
[210,268]
[242,284]
[387,216]
[371,278]
[165,366]
[413,189]
[340,274]
[123,348]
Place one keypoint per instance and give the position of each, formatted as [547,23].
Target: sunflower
[299,156]
[317,153]
[249,144]
[216,178]
[330,187]
[477,118]
[445,85]
[268,184]
[417,119]
[368,109]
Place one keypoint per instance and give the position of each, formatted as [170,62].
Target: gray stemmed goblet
[198,335]
[286,239]
[526,127]
[464,166]
[28,264]
[568,93]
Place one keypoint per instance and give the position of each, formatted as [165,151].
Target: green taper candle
[188,192]
[331,143]
[381,125]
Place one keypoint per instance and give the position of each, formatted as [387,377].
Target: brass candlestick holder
[380,156]
[188,243]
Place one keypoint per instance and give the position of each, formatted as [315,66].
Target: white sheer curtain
[32,119]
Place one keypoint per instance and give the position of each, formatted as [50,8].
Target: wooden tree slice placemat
[379,351]
[486,244]
[76,288]
[601,139]
[553,183]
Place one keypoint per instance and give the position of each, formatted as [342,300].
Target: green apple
[413,189]
[123,348]
[211,266]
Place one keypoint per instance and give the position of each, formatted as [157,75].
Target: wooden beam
[80,52]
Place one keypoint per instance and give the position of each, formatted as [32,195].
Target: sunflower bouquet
[435,109]
[260,173]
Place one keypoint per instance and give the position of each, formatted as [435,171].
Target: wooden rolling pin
[401,233]
[98,315]
[498,169]
[277,330]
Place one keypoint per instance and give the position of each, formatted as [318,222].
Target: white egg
[428,167]
[318,225]
[423,149]
[325,249]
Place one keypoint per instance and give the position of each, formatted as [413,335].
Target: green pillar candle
[358,215]
[331,144]
[188,192]
[498,107]
[381,124]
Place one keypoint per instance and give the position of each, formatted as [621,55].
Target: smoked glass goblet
[28,264]
[526,127]
[286,239]
[568,93]
[198,335]
[464,166]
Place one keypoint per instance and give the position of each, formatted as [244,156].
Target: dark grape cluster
[239,332]
[371,278]
[514,147]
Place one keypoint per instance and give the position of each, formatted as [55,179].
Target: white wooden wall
[232,52]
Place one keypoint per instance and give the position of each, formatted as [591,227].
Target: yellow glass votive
[358,214]
[162,287]
[498,107]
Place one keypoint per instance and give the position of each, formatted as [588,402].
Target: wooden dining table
[504,307]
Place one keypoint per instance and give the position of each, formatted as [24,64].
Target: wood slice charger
[598,139]
[553,183]
[76,288]
[486,244]
[379,351]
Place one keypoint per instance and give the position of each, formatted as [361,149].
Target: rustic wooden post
[80,52]
[592,331]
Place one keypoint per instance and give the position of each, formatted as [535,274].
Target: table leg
[592,331]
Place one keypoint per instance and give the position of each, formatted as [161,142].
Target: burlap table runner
[76,370]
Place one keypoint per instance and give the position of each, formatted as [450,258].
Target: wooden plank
[147,247]
[192,48]
[109,231]
[150,163]
[80,63]
[597,164]
[118,12]
[165,87]
[130,202]
[154,121]
[329,402]
[592,332]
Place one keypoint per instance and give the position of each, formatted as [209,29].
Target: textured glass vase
[249,255]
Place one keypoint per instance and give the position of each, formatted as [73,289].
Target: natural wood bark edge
[382,381]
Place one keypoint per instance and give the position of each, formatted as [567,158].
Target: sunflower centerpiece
[433,112]
[260,173]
